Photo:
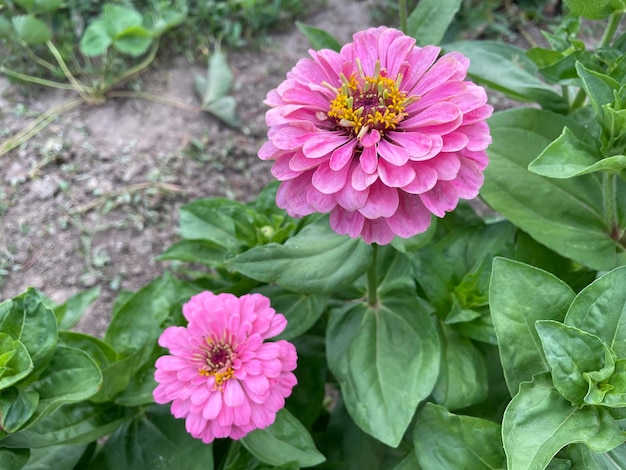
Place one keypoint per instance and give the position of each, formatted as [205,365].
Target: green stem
[133,70]
[80,89]
[579,100]
[609,196]
[402,15]
[611,28]
[372,283]
[37,80]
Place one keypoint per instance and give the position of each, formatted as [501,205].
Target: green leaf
[96,39]
[29,320]
[133,41]
[572,355]
[55,457]
[380,390]
[6,28]
[318,38]
[76,423]
[612,391]
[213,90]
[564,215]
[600,309]
[568,156]
[446,441]
[17,405]
[539,421]
[13,459]
[316,260]
[31,30]
[221,221]
[300,310]
[506,69]
[599,87]
[71,376]
[154,440]
[287,440]
[69,313]
[515,312]
[40,6]
[118,19]
[594,9]
[430,19]
[462,380]
[136,324]
[15,362]
[195,251]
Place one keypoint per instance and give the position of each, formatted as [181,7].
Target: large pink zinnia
[221,377]
[380,134]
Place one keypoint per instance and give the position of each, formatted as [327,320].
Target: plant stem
[137,68]
[402,14]
[611,28]
[37,125]
[579,100]
[609,196]
[37,80]
[80,89]
[372,284]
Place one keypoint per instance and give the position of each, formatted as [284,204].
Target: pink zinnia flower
[380,134]
[221,377]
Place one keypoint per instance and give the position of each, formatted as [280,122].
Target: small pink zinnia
[221,377]
[380,134]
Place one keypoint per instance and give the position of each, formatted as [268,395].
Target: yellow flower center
[216,359]
[369,102]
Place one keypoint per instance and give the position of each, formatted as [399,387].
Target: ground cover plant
[360,313]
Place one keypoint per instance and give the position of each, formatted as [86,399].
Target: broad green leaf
[316,260]
[568,156]
[13,459]
[29,320]
[515,312]
[71,376]
[416,242]
[31,30]
[76,423]
[612,391]
[462,380]
[595,9]
[6,28]
[136,324]
[599,87]
[286,440]
[506,69]
[600,309]
[582,458]
[539,421]
[318,38]
[142,384]
[55,457]
[96,39]
[430,19]
[380,390]
[118,19]
[224,222]
[15,362]
[133,41]
[154,440]
[564,215]
[572,355]
[408,463]
[445,441]
[224,109]
[40,6]
[70,312]
[195,251]
[17,405]
[300,310]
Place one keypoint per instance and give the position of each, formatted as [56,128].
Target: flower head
[380,134]
[220,375]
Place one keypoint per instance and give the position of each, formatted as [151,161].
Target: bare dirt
[92,199]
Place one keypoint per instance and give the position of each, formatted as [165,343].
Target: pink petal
[233,393]
[323,143]
[446,165]
[343,155]
[370,138]
[469,179]
[394,154]
[425,179]
[441,199]
[411,218]
[345,222]
[328,181]
[415,144]
[213,406]
[319,201]
[395,176]
[360,180]
[377,231]
[381,202]
[369,160]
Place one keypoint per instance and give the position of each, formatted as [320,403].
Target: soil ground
[93,199]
